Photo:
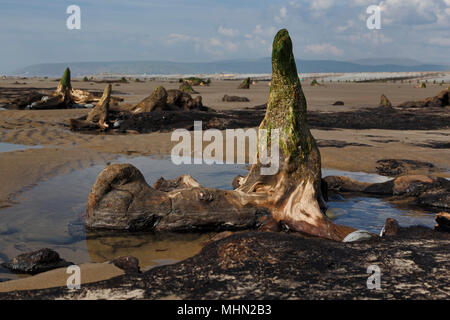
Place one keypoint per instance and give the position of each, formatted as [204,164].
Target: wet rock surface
[439,101]
[397,167]
[339,144]
[443,222]
[426,191]
[227,98]
[129,264]
[36,262]
[414,264]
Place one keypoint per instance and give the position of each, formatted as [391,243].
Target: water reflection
[8,147]
[42,218]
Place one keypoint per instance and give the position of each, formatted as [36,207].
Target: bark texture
[121,199]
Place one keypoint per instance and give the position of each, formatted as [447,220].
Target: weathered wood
[121,199]
[65,96]
[97,117]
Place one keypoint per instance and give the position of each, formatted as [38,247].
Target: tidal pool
[8,147]
[42,218]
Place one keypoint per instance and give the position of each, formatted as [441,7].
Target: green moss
[286,108]
[187,88]
[65,80]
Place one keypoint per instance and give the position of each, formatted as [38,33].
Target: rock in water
[36,262]
[384,101]
[443,222]
[391,228]
[338,103]
[129,264]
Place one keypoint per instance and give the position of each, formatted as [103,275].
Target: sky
[34,31]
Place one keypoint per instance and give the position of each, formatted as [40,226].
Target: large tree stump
[121,199]
[65,96]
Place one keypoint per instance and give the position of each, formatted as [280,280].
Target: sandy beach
[61,151]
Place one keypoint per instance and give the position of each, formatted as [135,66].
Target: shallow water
[42,218]
[8,147]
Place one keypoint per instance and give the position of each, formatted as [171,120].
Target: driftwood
[121,199]
[65,96]
[169,100]
[245,84]
[97,117]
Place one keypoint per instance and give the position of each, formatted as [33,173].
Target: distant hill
[226,66]
[388,61]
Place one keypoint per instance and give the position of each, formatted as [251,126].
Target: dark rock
[36,262]
[415,264]
[397,167]
[391,227]
[339,144]
[443,222]
[421,190]
[439,101]
[338,103]
[129,264]
[227,98]
[382,118]
[434,144]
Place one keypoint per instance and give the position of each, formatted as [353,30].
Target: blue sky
[34,31]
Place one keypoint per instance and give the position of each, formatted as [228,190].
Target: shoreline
[63,151]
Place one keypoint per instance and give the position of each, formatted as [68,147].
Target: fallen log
[121,199]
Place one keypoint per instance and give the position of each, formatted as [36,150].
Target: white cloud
[443,42]
[177,37]
[268,32]
[214,46]
[321,4]
[228,32]
[324,48]
[374,38]
[345,27]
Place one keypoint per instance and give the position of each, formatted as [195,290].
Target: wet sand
[63,151]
